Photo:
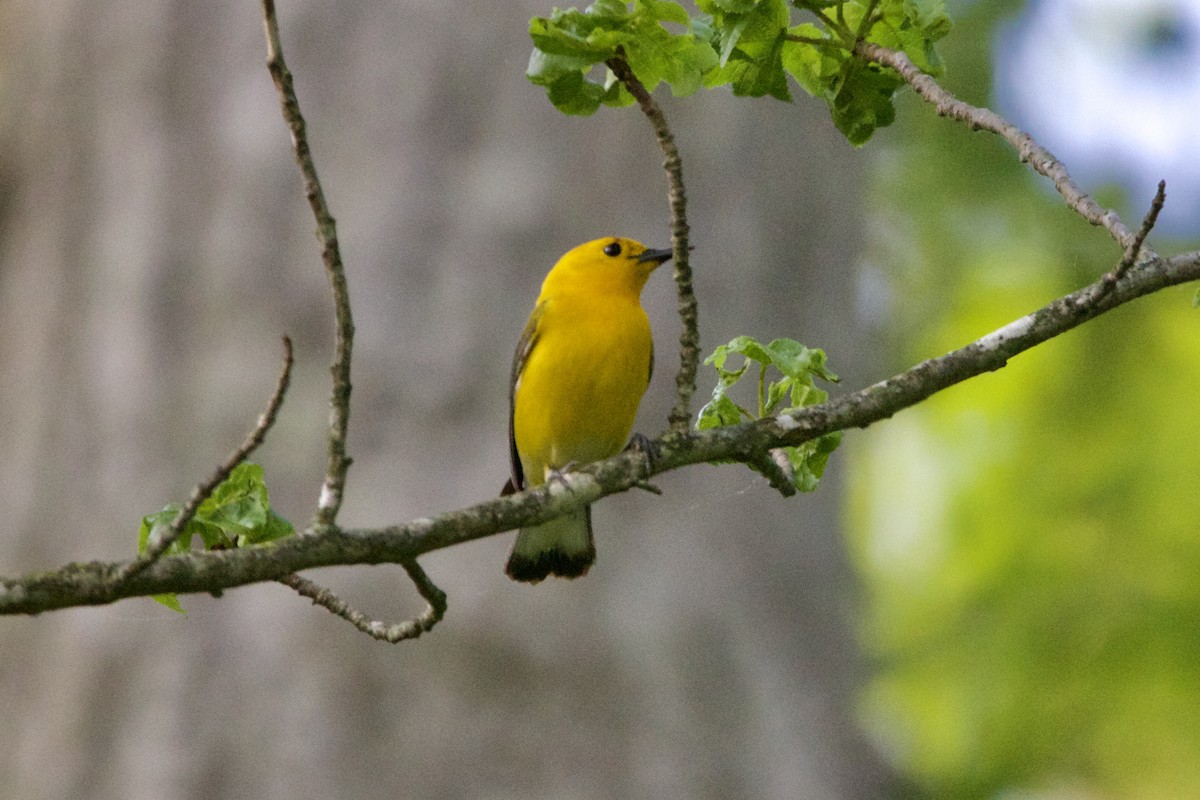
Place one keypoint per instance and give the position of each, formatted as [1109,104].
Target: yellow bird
[581,367]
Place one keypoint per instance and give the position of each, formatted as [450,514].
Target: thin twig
[867,21]
[838,25]
[689,339]
[333,487]
[1135,248]
[158,545]
[393,633]
[1038,157]
[814,41]
[434,596]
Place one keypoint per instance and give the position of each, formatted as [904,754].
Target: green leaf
[747,346]
[728,6]
[911,26]
[758,23]
[929,16]
[656,55]
[563,77]
[574,33]
[239,511]
[864,102]
[237,514]
[158,524]
[276,527]
[797,361]
[608,8]
[815,68]
[546,68]
[170,601]
[661,11]
[718,412]
[776,393]
[766,20]
[810,459]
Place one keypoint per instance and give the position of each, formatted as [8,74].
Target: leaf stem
[762,391]
[836,25]
[828,44]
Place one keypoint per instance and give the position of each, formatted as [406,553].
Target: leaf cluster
[752,46]
[237,514]
[798,366]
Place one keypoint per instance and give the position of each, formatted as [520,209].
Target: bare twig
[1038,157]
[393,633]
[333,487]
[91,584]
[434,596]
[158,545]
[1136,246]
[689,339]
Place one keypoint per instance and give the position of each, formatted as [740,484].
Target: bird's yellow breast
[578,393]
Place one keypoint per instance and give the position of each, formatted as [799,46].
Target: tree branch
[333,488]
[750,443]
[1032,153]
[689,339]
[96,582]
[408,629]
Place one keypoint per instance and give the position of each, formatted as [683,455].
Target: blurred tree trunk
[155,243]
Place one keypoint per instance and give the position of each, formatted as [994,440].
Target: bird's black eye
[612,249]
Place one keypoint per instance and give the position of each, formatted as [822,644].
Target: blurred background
[992,595]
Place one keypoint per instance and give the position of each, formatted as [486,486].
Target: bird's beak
[657,256]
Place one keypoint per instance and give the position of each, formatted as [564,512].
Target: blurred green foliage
[1030,540]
